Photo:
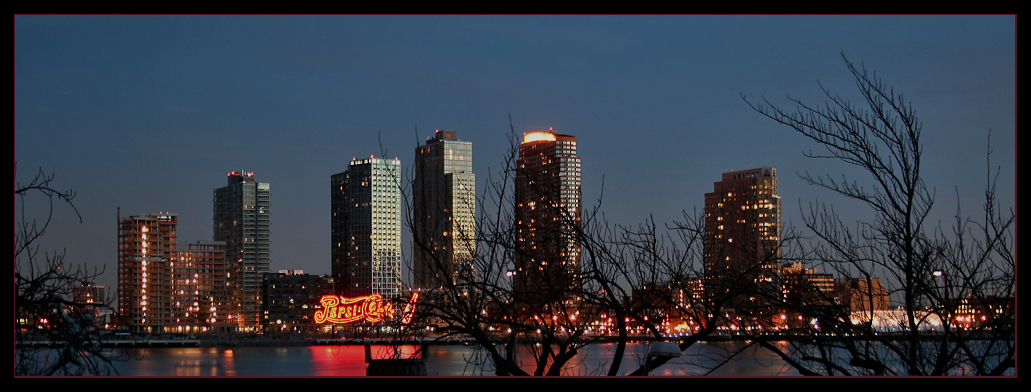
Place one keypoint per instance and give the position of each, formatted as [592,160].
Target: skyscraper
[241,220]
[547,214]
[145,247]
[366,228]
[444,193]
[165,290]
[742,233]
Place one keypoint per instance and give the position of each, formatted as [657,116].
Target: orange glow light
[538,136]
[343,310]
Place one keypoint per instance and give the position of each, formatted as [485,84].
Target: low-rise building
[290,298]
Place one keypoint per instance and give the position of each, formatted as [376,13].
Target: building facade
[742,235]
[242,212]
[801,283]
[145,247]
[807,294]
[444,224]
[366,228]
[291,298]
[202,288]
[92,299]
[547,215]
[862,295]
[165,290]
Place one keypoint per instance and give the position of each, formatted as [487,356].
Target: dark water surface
[349,361]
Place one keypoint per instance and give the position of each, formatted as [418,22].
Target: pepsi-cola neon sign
[342,310]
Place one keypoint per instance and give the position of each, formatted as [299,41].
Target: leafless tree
[631,280]
[486,306]
[54,333]
[940,278]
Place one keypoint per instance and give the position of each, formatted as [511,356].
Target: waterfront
[443,360]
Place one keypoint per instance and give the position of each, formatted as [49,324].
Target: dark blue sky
[148,113]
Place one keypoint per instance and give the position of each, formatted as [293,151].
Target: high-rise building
[366,228]
[241,220]
[547,215]
[742,233]
[145,247]
[165,290]
[444,193]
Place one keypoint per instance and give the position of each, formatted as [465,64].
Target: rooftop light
[538,136]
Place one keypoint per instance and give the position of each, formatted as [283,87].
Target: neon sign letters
[343,310]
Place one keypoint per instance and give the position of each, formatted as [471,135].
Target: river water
[454,360]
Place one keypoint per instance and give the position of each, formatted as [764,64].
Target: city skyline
[655,102]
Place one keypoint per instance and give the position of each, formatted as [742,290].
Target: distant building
[209,306]
[93,300]
[88,294]
[676,305]
[807,294]
[897,320]
[242,211]
[655,301]
[984,312]
[366,228]
[547,214]
[290,300]
[444,230]
[863,295]
[165,290]
[742,234]
[800,283]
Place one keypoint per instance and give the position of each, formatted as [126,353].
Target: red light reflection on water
[349,361]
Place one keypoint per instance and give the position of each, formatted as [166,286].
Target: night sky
[149,113]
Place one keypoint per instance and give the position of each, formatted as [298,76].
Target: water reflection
[349,361]
[336,360]
[196,368]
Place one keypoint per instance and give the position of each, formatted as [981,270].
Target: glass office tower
[241,220]
[366,228]
[444,196]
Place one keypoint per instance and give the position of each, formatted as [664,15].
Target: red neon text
[343,310]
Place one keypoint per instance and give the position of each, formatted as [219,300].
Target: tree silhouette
[55,333]
[940,278]
[631,280]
